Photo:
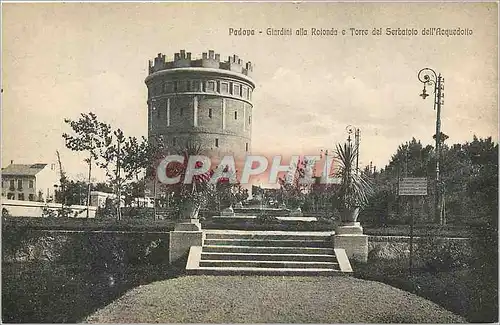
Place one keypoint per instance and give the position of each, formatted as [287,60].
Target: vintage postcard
[263,162]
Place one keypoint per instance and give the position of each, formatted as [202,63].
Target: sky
[62,59]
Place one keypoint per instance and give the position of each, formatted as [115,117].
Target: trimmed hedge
[83,224]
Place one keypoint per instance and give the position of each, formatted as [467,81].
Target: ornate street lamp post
[429,77]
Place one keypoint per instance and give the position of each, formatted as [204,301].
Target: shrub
[267,219]
[64,212]
[388,251]
[440,255]
[108,211]
[48,213]
[5,213]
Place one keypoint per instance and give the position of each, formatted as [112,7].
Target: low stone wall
[18,208]
[258,211]
[406,239]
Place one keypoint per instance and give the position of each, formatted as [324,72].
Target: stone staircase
[267,253]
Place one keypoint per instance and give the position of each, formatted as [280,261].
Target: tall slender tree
[89,134]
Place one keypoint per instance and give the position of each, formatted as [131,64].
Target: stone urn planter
[188,217]
[189,210]
[350,215]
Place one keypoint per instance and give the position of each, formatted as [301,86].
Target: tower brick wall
[203,101]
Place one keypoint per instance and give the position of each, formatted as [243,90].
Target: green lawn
[271,299]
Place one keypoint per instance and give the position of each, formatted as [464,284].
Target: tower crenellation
[210,59]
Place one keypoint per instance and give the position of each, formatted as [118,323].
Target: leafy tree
[469,175]
[88,135]
[112,155]
[227,194]
[240,193]
[75,193]
[123,159]
[156,150]
[136,157]
[293,191]
[483,183]
[102,187]
[134,190]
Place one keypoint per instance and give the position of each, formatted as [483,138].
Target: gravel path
[271,299]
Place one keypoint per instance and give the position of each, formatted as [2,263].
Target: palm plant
[355,189]
[190,197]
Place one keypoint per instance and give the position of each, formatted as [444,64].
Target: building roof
[23,169]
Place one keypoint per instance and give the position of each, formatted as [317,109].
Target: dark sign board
[413,186]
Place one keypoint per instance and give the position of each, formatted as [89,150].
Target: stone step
[266,250]
[266,236]
[264,271]
[268,242]
[268,257]
[268,264]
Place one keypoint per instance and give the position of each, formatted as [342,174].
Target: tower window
[224,88]
[181,111]
[246,146]
[181,85]
[211,86]
[249,120]
[210,113]
[195,85]
[237,90]
[174,141]
[217,143]
[235,115]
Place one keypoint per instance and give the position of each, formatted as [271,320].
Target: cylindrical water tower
[201,101]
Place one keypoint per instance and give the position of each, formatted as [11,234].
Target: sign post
[411,186]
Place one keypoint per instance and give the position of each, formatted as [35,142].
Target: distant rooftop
[23,169]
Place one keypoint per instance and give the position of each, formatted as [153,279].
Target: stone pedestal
[349,236]
[186,234]
[188,225]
